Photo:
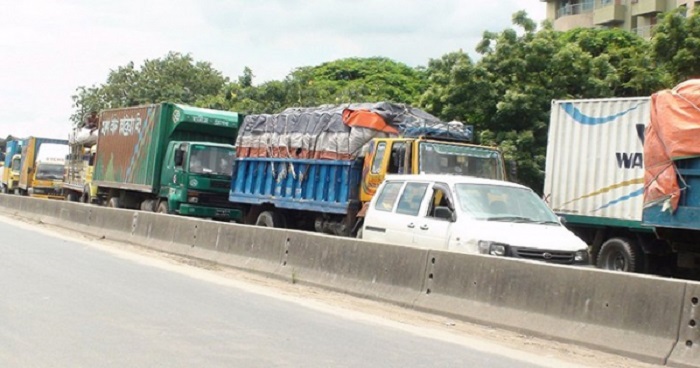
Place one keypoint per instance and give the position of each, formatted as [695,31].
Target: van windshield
[503,203]
[445,158]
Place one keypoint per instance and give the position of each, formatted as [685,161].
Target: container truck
[13,163]
[41,174]
[594,179]
[80,165]
[168,158]
[317,168]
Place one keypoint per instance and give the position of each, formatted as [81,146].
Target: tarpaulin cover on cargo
[673,134]
[336,132]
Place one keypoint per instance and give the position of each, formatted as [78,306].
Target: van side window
[387,198]
[378,158]
[411,198]
[439,198]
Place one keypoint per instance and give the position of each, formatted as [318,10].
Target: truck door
[386,156]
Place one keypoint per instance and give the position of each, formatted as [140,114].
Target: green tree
[676,45]
[176,78]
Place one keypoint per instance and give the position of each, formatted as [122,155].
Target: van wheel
[620,254]
[163,207]
[114,203]
[270,219]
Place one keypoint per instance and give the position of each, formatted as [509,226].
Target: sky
[49,48]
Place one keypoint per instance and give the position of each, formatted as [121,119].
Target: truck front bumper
[188,209]
[49,193]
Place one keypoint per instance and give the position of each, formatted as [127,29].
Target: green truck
[167,158]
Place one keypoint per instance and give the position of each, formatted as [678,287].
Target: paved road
[64,303]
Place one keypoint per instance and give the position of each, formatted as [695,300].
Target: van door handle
[424,227]
[411,225]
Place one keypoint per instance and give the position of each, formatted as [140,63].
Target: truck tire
[620,254]
[270,219]
[163,207]
[3,189]
[114,203]
[71,197]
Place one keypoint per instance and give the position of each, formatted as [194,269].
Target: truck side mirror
[444,213]
[513,170]
[179,157]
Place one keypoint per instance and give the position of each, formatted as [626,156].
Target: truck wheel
[113,203]
[4,189]
[620,254]
[270,219]
[18,192]
[71,197]
[163,207]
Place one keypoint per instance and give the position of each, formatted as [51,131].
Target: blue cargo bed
[328,186]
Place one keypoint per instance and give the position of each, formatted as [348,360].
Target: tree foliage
[676,44]
[176,77]
[507,94]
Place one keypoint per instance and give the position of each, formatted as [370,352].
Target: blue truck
[308,181]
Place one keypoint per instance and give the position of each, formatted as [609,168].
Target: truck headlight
[581,256]
[494,249]
[192,199]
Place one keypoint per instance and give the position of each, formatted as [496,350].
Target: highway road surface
[71,302]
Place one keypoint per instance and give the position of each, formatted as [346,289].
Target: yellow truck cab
[42,169]
[427,156]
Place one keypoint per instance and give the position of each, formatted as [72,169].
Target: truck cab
[47,177]
[196,179]
[427,156]
[13,164]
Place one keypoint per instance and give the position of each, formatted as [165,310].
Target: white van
[470,215]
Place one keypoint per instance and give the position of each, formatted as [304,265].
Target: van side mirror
[179,157]
[444,213]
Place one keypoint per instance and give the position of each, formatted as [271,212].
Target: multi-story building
[639,16]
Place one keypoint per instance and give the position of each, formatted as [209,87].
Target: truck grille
[220,184]
[46,191]
[214,199]
[553,256]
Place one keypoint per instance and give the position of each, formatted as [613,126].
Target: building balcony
[574,15]
[609,14]
[643,7]
[646,31]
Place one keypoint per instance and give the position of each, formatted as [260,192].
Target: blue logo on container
[584,119]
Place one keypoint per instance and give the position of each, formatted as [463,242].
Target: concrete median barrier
[377,271]
[687,350]
[643,317]
[632,315]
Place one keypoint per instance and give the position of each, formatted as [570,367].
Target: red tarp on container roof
[672,134]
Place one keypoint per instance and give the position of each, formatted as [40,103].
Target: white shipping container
[595,157]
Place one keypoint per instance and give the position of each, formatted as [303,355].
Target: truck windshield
[445,158]
[49,172]
[503,203]
[211,160]
[16,164]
